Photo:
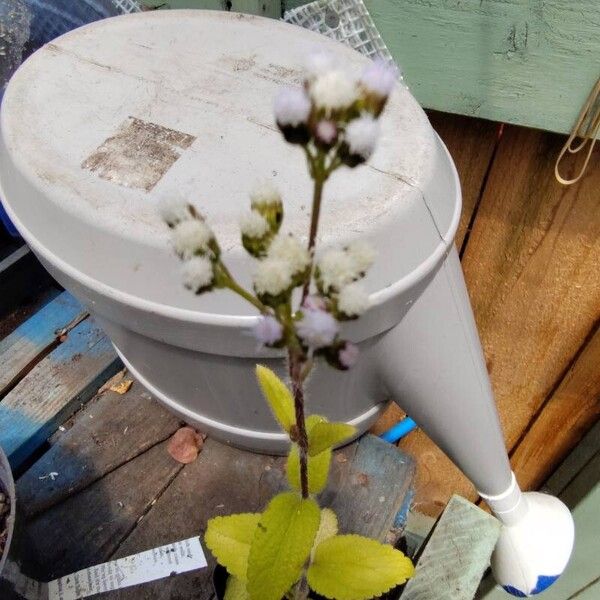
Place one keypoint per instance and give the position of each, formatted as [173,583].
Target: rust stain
[139,154]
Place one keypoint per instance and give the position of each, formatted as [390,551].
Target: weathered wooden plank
[532,270]
[471,143]
[581,455]
[221,481]
[531,266]
[225,480]
[106,434]
[86,528]
[526,63]
[570,412]
[54,389]
[369,486]
[456,556]
[20,350]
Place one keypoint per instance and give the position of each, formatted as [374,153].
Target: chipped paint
[139,154]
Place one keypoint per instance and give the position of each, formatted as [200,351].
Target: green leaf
[327,528]
[229,539]
[278,396]
[282,543]
[352,567]
[327,435]
[318,470]
[236,589]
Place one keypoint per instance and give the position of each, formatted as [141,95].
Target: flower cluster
[332,112]
[335,119]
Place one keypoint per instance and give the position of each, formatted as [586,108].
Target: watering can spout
[433,367]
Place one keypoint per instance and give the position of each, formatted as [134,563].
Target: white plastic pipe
[433,366]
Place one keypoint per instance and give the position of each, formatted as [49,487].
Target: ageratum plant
[293,549]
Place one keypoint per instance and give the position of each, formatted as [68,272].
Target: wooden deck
[95,481]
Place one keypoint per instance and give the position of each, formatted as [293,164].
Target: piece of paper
[164,561]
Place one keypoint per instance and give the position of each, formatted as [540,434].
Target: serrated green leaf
[229,539]
[318,470]
[328,527]
[352,567]
[327,435]
[278,396]
[236,589]
[282,543]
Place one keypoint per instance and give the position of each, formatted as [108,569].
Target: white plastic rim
[377,298]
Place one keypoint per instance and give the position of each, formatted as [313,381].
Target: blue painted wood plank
[32,339]
[54,389]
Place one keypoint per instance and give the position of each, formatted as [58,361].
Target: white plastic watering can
[101,124]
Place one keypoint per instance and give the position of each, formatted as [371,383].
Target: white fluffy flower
[268,330]
[254,225]
[362,255]
[319,62]
[353,300]
[174,211]
[333,91]
[191,237]
[292,107]
[379,78]
[361,135]
[197,273]
[264,193]
[272,276]
[317,328]
[287,248]
[336,269]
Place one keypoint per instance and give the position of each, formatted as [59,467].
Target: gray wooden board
[87,528]
[456,555]
[109,432]
[225,480]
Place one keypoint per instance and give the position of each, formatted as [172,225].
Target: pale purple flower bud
[380,77]
[314,303]
[317,328]
[292,107]
[268,330]
[348,355]
[326,132]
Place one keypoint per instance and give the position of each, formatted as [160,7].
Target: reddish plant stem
[296,364]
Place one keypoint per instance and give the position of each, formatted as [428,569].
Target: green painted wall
[529,62]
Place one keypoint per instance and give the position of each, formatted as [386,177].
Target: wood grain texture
[226,480]
[20,350]
[529,63]
[471,143]
[531,265]
[109,432]
[456,556]
[54,389]
[571,411]
[87,528]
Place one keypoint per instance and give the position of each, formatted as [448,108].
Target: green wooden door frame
[528,62]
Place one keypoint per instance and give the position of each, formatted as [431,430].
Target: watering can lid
[111,118]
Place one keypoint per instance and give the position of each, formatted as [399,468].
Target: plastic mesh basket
[347,21]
